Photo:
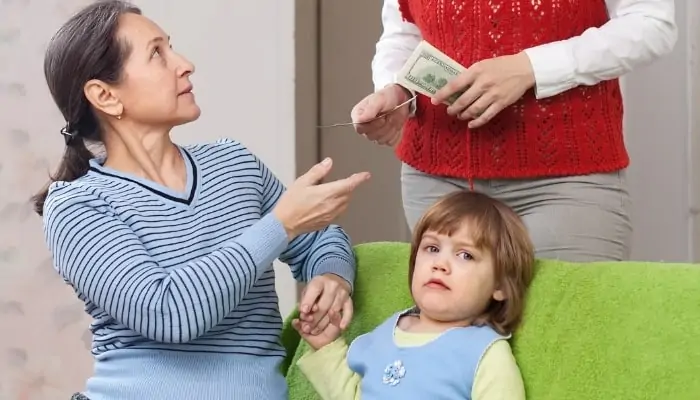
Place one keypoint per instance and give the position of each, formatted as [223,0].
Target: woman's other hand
[387,130]
[308,205]
[489,86]
[325,301]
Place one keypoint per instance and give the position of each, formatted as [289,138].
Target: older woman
[170,247]
[538,120]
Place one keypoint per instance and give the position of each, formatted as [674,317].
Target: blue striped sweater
[180,285]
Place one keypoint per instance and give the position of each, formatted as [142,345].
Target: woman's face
[155,89]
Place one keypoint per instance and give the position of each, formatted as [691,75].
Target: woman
[538,123]
[170,247]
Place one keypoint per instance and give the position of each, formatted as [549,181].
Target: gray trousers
[574,218]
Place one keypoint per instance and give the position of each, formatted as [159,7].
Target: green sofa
[598,331]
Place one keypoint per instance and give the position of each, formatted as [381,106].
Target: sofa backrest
[625,330]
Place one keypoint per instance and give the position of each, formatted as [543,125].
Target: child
[470,265]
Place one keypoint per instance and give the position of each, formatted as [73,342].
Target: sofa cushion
[608,330]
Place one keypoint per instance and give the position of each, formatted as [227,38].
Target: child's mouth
[437,284]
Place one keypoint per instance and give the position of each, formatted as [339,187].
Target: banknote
[428,70]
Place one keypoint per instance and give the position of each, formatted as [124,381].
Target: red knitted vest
[577,132]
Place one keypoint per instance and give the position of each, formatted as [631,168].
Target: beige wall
[692,35]
[246,91]
[662,129]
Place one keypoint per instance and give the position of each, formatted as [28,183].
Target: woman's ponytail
[74,164]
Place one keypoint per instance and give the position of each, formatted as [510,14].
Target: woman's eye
[156,52]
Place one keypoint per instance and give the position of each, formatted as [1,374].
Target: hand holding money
[477,93]
[385,130]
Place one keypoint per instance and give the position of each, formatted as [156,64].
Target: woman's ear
[103,98]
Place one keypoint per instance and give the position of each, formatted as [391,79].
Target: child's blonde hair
[496,229]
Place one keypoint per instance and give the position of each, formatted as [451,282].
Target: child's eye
[432,249]
[156,52]
[466,256]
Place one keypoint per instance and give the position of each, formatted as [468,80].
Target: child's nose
[440,265]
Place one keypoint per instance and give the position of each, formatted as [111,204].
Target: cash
[428,70]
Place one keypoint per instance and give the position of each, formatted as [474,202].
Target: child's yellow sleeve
[327,370]
[498,376]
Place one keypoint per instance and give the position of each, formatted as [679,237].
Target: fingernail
[326,161]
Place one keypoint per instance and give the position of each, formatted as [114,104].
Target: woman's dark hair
[84,48]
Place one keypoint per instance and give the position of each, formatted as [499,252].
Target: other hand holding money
[477,93]
[487,87]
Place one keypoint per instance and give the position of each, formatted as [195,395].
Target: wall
[246,90]
[662,126]
[693,106]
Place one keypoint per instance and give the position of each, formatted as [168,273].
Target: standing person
[539,122]
[170,247]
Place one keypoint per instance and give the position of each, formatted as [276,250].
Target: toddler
[471,263]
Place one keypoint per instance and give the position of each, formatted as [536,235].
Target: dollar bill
[428,70]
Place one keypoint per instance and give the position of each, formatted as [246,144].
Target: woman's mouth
[187,90]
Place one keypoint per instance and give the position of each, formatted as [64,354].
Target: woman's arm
[398,40]
[328,372]
[639,31]
[312,254]
[106,262]
[498,376]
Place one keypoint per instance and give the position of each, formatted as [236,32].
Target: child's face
[453,281]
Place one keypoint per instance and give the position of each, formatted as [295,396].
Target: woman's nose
[185,67]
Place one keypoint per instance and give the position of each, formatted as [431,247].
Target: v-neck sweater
[181,286]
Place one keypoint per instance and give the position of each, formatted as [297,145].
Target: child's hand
[314,320]
[318,339]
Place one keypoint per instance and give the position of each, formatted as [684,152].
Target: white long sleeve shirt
[638,32]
